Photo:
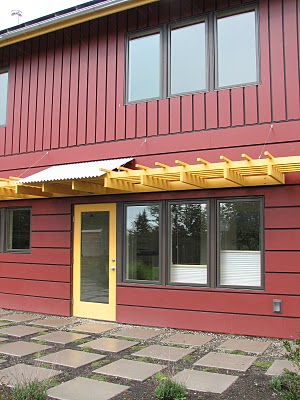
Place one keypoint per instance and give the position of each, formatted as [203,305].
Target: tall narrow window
[188,243]
[3,96]
[236,49]
[240,243]
[18,225]
[144,69]
[142,243]
[188,58]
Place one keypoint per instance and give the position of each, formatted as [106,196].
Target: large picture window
[217,50]
[211,243]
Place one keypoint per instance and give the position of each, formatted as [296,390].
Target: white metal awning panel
[74,171]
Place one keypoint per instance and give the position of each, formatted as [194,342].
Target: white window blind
[240,268]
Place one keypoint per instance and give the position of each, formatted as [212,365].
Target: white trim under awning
[66,172]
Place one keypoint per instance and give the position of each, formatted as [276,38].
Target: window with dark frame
[210,243]
[3,95]
[193,55]
[15,230]
[142,234]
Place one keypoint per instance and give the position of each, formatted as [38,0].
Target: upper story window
[216,51]
[3,96]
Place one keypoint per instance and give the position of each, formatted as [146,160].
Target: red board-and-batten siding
[66,95]
[67,88]
[41,281]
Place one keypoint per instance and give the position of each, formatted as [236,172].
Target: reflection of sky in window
[237,49]
[188,59]
[3,96]
[144,68]
[134,211]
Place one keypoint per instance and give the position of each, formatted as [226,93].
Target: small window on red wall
[18,229]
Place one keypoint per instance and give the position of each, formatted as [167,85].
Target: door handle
[112,267]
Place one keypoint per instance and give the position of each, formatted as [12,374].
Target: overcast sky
[31,9]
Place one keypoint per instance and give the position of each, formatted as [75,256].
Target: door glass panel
[94,257]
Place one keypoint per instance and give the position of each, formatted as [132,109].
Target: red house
[149,163]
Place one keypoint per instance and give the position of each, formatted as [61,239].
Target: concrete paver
[129,369]
[53,322]
[84,388]
[234,362]
[20,330]
[249,346]
[138,333]
[22,373]
[166,353]
[278,367]
[188,339]
[93,328]
[18,317]
[70,358]
[21,348]
[61,337]
[109,344]
[205,381]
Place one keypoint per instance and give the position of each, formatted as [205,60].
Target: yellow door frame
[87,309]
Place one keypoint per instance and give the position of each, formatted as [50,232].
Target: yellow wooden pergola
[203,175]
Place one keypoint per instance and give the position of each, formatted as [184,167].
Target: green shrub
[34,390]
[170,390]
[287,385]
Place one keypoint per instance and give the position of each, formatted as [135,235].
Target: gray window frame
[140,34]
[5,70]
[210,20]
[213,243]
[228,13]
[182,24]
[260,201]
[5,230]
[124,252]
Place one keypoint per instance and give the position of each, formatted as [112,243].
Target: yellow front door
[94,267]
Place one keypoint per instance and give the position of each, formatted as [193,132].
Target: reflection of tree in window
[239,226]
[189,234]
[143,243]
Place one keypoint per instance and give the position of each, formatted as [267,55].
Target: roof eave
[63,21]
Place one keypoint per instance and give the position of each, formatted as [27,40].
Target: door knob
[112,267]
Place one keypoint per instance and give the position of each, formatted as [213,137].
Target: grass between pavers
[40,341]
[262,364]
[87,349]
[41,333]
[238,352]
[81,341]
[138,347]
[98,377]
[129,339]
[99,363]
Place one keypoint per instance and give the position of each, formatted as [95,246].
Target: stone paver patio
[83,388]
[234,362]
[129,369]
[205,381]
[22,348]
[109,344]
[279,366]
[94,360]
[61,337]
[166,353]
[70,358]
[22,373]
[248,346]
